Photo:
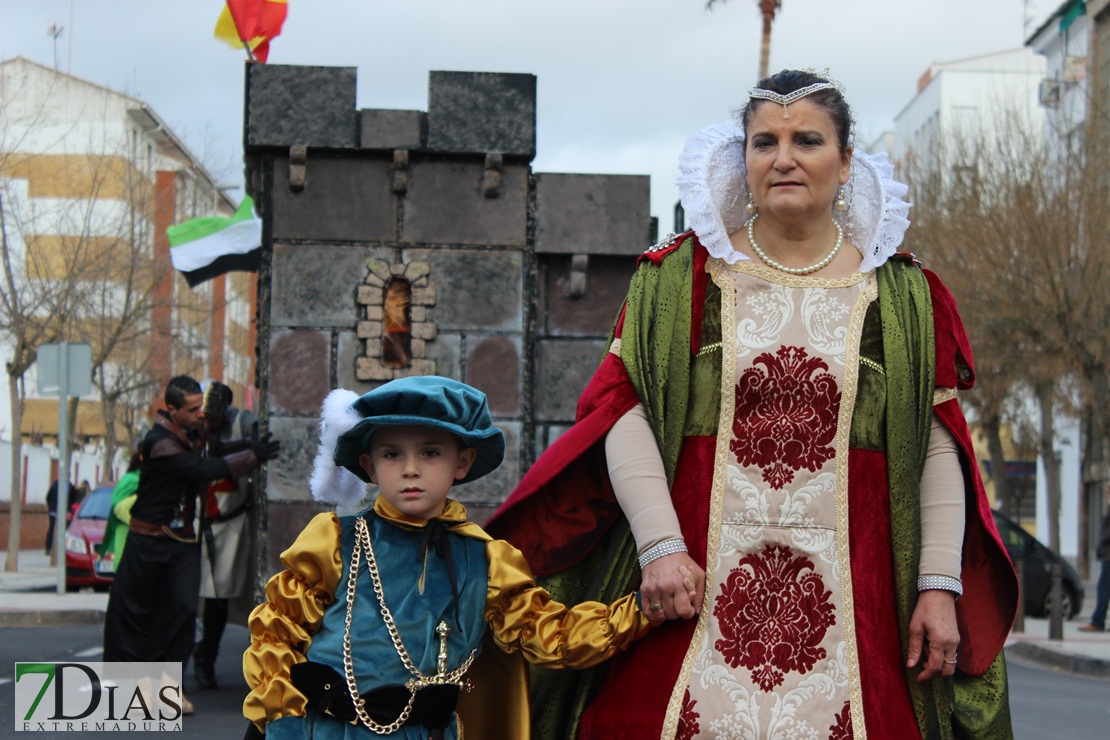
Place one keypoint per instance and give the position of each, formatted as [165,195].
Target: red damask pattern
[842,728]
[688,726]
[773,612]
[785,414]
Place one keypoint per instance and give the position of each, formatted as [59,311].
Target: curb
[50,617]
[1065,661]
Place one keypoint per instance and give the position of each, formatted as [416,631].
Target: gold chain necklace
[418,680]
[793,270]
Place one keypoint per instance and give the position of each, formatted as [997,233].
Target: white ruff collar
[713,189]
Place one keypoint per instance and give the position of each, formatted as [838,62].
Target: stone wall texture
[515,277]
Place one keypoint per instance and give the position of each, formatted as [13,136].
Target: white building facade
[959,102]
[1075,43]
[86,167]
[1064,43]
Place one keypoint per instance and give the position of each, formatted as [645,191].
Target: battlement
[403,242]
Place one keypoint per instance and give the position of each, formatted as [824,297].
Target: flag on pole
[253,23]
[204,248]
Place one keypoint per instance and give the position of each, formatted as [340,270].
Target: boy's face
[414,466]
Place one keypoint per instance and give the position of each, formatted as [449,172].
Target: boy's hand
[672,588]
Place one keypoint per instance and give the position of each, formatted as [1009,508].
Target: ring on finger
[657,607]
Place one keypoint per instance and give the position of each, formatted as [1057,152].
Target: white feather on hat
[331,484]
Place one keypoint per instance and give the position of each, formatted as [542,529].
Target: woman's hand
[933,629]
[672,588]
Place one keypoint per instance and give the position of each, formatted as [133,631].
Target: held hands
[265,447]
[934,635]
[672,587]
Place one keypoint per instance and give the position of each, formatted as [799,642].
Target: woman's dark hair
[830,101]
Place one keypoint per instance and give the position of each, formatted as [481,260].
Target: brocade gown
[772,655]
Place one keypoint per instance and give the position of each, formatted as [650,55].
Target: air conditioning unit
[1050,92]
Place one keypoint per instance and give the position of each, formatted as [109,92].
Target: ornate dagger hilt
[442,630]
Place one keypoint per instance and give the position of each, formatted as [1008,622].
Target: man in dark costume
[153,603]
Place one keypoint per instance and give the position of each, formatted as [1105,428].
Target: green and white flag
[204,248]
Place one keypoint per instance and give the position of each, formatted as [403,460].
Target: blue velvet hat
[430,401]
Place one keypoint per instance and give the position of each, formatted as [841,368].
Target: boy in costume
[379,618]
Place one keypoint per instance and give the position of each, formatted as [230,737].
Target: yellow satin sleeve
[282,628]
[522,616]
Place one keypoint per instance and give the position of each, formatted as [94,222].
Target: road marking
[89,653]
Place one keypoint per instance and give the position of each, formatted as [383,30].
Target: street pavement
[28,598]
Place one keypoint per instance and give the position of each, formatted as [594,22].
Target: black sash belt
[326,691]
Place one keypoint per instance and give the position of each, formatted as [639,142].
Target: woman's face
[794,164]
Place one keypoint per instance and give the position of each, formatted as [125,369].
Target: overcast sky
[621,83]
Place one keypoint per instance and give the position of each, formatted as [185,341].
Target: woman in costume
[777,409]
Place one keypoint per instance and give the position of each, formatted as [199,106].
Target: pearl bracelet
[940,583]
[666,547]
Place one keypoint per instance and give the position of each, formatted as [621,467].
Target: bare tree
[79,264]
[1015,221]
[33,312]
[77,268]
[25,313]
[115,308]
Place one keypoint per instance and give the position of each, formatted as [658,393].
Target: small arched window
[397,330]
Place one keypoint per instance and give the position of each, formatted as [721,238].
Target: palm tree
[767,8]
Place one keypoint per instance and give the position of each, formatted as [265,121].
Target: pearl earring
[751,207]
[840,204]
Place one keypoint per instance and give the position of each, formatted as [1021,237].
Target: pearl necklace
[793,270]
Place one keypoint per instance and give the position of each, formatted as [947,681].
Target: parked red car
[84,533]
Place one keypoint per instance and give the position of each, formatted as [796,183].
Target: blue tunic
[488,585]
[417,606]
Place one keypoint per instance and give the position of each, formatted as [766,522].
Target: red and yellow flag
[253,23]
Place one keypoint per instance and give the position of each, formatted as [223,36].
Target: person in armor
[224,526]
